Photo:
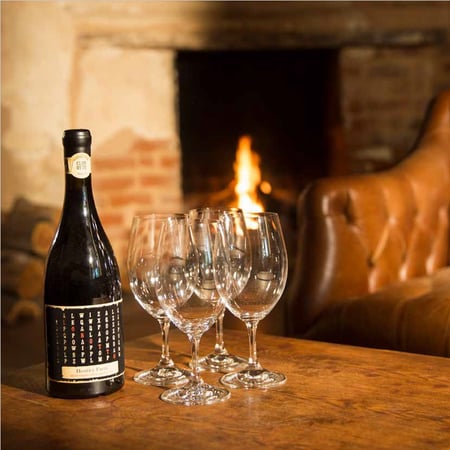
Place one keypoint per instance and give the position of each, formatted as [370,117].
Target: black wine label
[84,343]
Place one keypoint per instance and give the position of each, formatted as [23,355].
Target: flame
[248,176]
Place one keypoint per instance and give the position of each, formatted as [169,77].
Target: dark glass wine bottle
[82,292]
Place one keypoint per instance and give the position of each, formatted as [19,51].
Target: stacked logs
[27,232]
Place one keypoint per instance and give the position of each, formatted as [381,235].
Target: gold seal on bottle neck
[79,165]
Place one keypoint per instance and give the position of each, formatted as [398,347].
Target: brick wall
[384,94]
[142,177]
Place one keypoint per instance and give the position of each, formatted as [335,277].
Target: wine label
[84,343]
[79,165]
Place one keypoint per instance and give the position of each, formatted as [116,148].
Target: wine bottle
[82,290]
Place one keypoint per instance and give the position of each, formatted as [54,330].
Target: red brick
[147,161]
[114,182]
[127,198]
[104,164]
[109,218]
[144,146]
[145,205]
[170,162]
[155,180]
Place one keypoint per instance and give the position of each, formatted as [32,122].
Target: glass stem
[253,363]
[165,355]
[195,342]
[219,347]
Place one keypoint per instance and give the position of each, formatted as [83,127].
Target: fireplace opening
[282,105]
[285,100]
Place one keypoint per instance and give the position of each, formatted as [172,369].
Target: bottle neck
[79,199]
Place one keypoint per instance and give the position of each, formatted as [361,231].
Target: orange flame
[248,176]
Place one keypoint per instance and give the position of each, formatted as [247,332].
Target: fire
[248,176]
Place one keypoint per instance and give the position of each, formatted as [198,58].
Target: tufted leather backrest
[361,233]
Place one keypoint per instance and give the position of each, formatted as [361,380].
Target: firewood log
[29,227]
[22,274]
[14,309]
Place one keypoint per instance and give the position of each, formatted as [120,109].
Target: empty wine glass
[220,360]
[142,248]
[268,259]
[186,290]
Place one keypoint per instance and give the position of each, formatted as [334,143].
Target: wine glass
[142,248]
[253,302]
[187,292]
[220,360]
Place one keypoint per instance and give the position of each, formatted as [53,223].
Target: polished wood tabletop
[335,397]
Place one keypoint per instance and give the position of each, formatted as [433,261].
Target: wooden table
[335,397]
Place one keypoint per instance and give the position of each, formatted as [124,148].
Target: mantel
[243,25]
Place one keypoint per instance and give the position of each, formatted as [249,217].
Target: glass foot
[253,379]
[222,362]
[162,376]
[195,394]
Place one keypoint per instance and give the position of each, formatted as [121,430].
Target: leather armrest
[411,316]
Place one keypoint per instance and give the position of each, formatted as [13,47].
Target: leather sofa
[373,259]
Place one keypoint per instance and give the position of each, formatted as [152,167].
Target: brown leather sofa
[373,261]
